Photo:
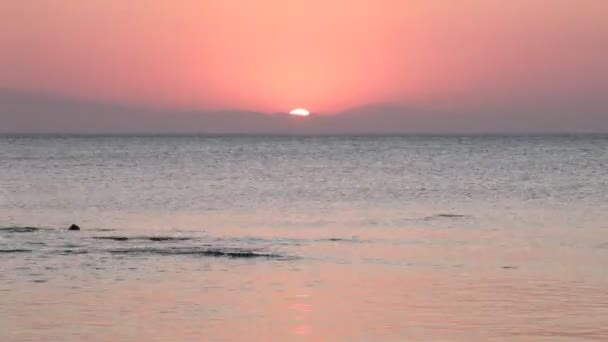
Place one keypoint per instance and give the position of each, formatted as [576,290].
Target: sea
[304,238]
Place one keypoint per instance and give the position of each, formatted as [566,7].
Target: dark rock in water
[74,227]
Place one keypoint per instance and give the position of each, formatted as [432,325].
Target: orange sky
[323,55]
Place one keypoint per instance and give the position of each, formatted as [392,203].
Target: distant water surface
[394,238]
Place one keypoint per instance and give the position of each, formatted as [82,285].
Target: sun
[300,112]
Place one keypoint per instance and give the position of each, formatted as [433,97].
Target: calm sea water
[304,238]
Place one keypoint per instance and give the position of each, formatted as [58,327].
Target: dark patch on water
[35,243]
[20,229]
[17,250]
[238,254]
[150,238]
[229,253]
[73,251]
[510,267]
[447,216]
[168,238]
[602,245]
[114,238]
[70,245]
[353,239]
[297,244]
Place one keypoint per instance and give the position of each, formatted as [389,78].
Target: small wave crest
[140,238]
[602,245]
[16,250]
[229,253]
[21,229]
[73,251]
[354,239]
[447,216]
[114,238]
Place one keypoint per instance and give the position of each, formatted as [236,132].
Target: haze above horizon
[383,66]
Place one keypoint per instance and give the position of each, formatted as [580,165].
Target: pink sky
[324,55]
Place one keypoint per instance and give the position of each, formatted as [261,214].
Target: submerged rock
[74,227]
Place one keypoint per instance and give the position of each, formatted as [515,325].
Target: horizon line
[287,135]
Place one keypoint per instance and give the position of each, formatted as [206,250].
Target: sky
[491,60]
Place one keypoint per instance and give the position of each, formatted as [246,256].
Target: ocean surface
[235,238]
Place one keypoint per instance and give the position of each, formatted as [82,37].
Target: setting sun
[300,112]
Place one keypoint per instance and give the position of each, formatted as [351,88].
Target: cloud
[27,112]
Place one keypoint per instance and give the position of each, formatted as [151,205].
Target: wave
[602,245]
[115,238]
[230,253]
[73,251]
[16,250]
[149,238]
[21,229]
[353,240]
[168,238]
[447,216]
[159,245]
